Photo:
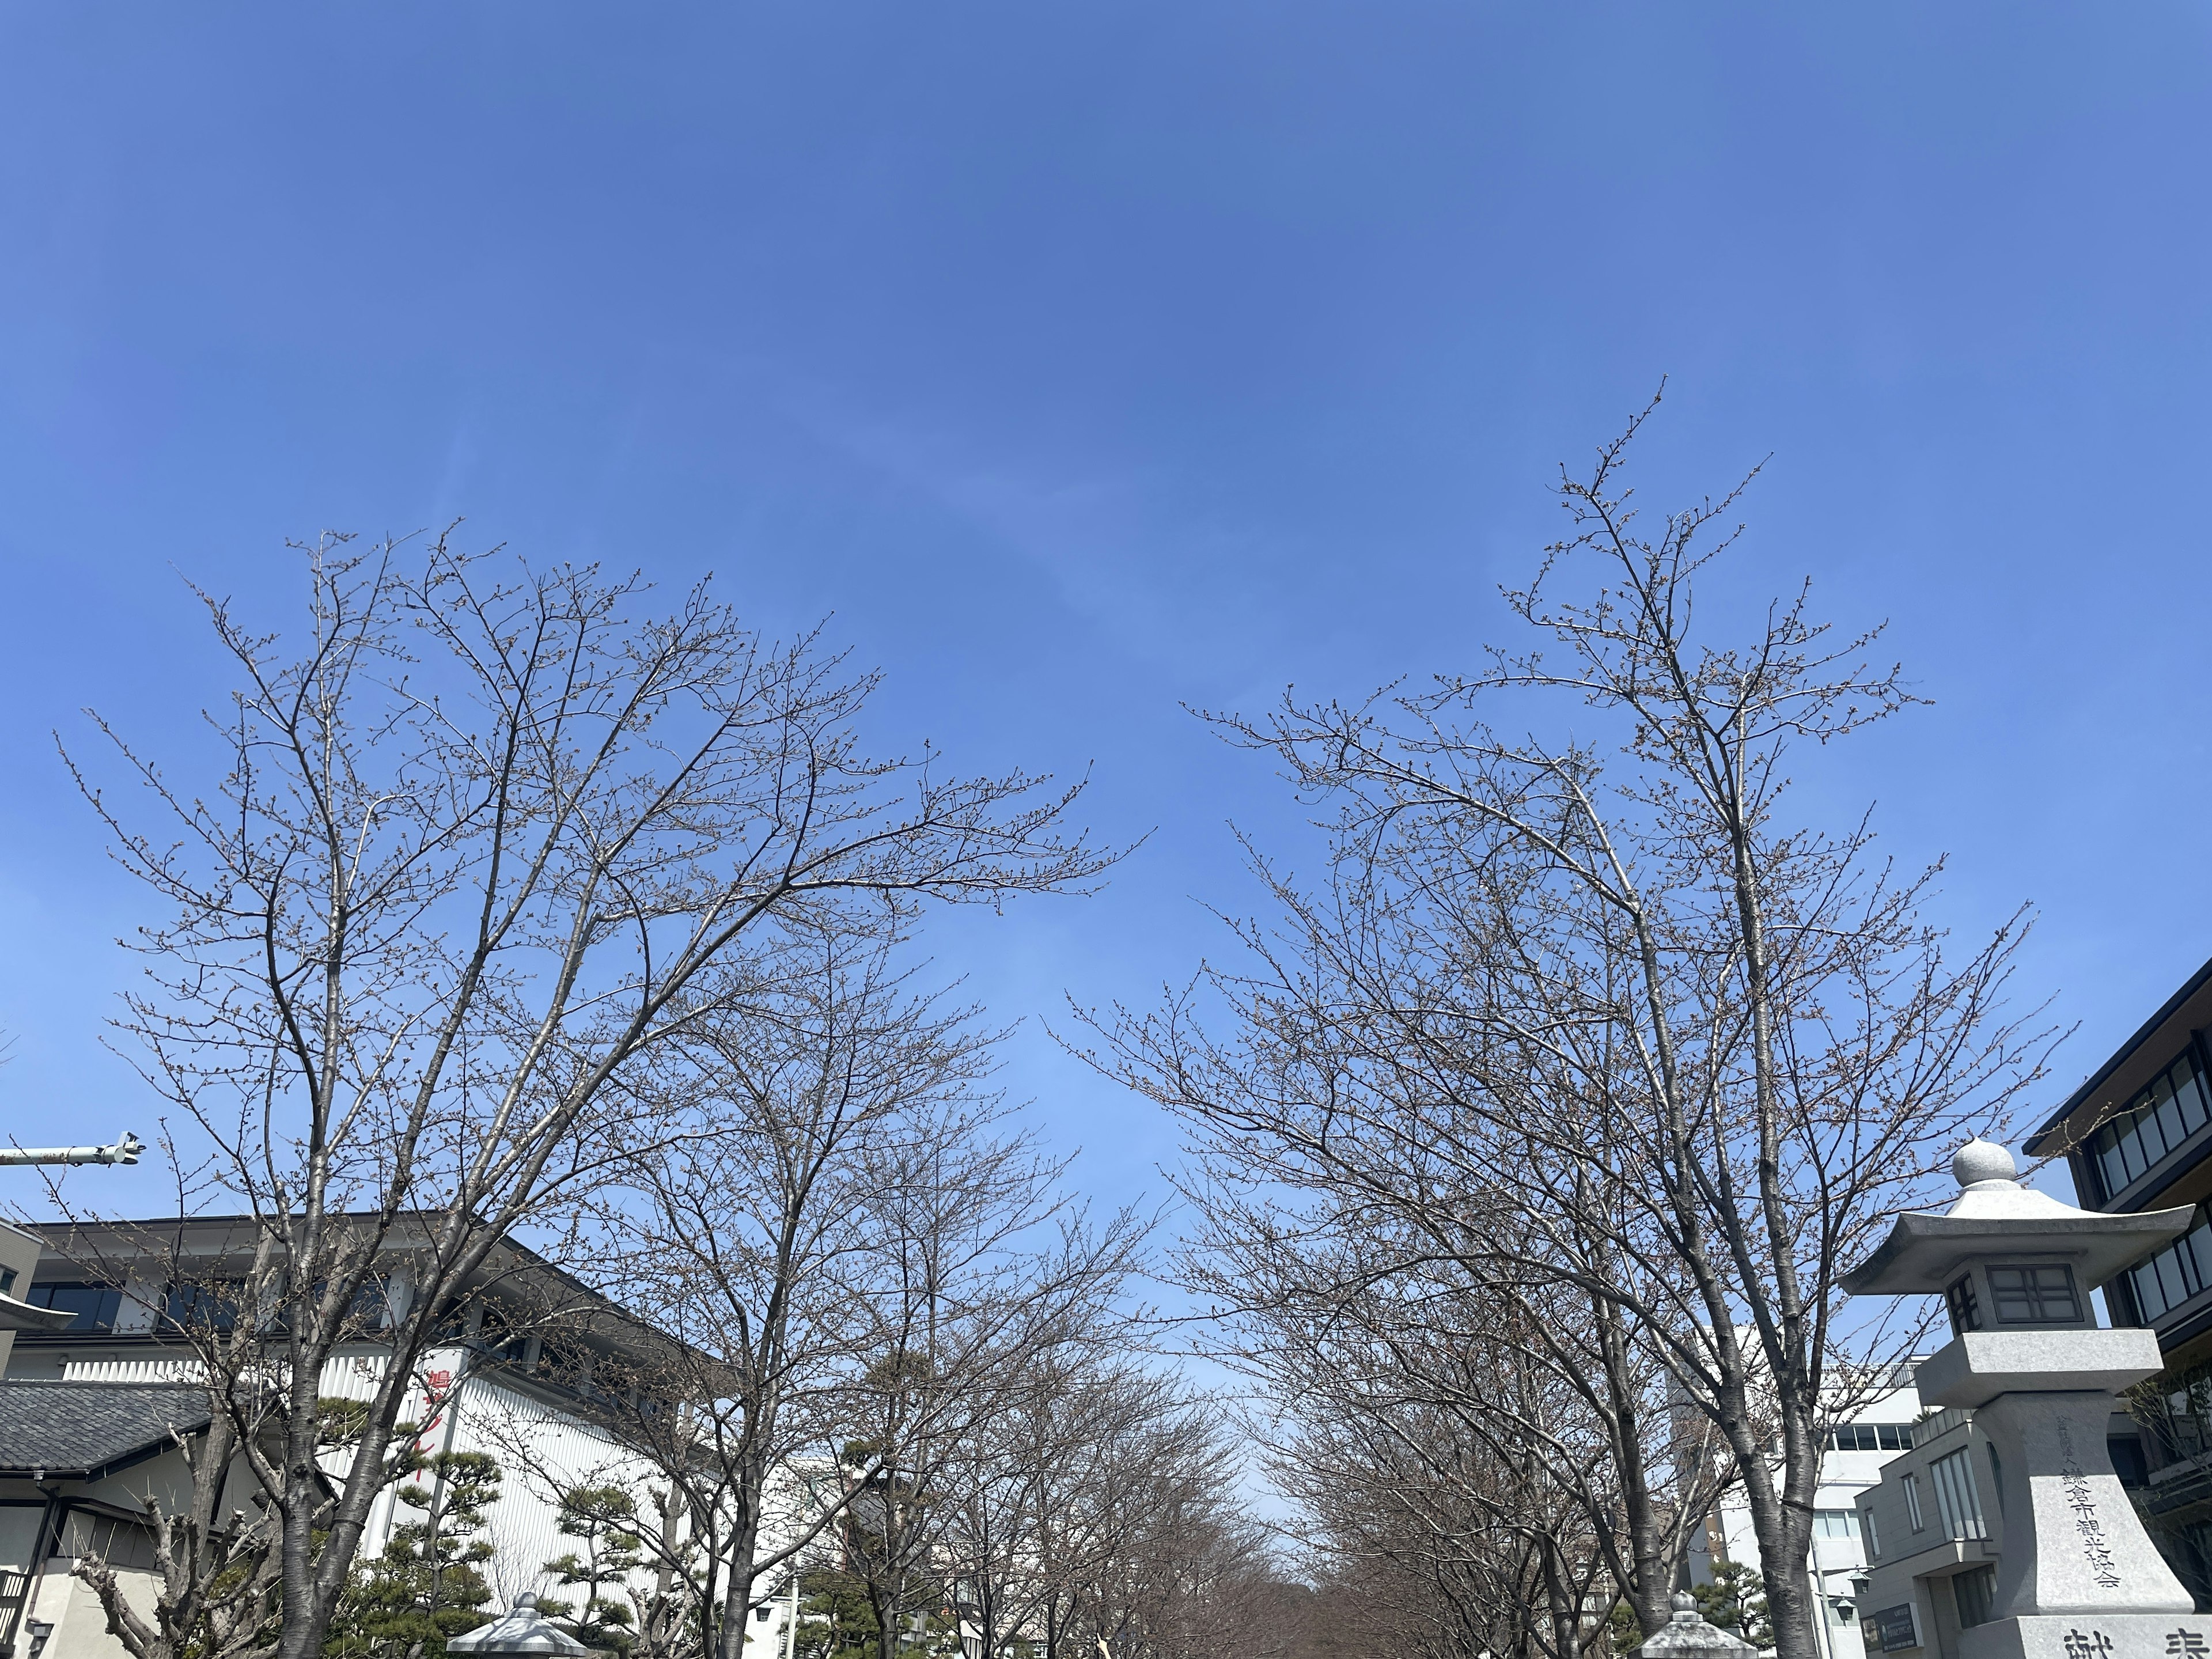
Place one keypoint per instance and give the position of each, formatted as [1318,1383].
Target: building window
[1873,1537]
[2128,1461]
[2027,1295]
[1957,1499]
[2151,1126]
[1873,1436]
[1911,1484]
[1835,1523]
[2176,1274]
[119,1543]
[94,1305]
[1966,1312]
[212,1306]
[1976,1591]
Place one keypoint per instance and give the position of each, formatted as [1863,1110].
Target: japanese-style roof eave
[18,1316]
[2046,1138]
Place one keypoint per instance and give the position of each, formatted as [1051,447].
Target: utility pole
[125,1151]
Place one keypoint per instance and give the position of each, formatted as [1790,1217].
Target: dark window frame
[1966,1309]
[2042,1286]
[97,1311]
[2109,1150]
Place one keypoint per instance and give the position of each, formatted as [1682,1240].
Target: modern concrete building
[1858,1448]
[1930,1565]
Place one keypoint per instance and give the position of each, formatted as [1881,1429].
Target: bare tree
[1411,1291]
[1190,1566]
[759,1242]
[475,844]
[1038,1495]
[969,1299]
[859,1254]
[1491,1435]
[1696,1051]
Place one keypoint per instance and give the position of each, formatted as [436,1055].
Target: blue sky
[1082,361]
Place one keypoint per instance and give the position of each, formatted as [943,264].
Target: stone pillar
[2071,1543]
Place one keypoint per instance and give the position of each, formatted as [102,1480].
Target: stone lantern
[2078,1577]
[1687,1633]
[519,1630]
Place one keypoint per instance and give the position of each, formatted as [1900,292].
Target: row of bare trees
[1532,1136]
[902,1359]
[1530,1139]
[512,907]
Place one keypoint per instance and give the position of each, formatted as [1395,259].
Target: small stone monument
[2078,1577]
[1688,1633]
[519,1630]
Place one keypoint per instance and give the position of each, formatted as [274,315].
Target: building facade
[99,1388]
[1930,1564]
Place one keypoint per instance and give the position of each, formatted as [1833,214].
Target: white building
[1874,1433]
[94,1394]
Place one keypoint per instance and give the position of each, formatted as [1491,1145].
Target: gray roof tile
[77,1428]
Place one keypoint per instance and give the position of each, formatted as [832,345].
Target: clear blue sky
[1080,360]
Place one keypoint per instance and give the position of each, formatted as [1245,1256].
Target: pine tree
[605,1519]
[1733,1601]
[836,1618]
[425,1586]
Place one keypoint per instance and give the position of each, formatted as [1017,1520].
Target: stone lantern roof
[1925,1251]
[1687,1633]
[520,1630]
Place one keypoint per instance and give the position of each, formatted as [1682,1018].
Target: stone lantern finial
[1980,1160]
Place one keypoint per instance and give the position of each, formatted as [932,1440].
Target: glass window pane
[2200,1246]
[2189,1090]
[2054,1293]
[2169,1114]
[2148,1130]
[2169,1278]
[1975,1590]
[2113,1169]
[2149,1303]
[94,1305]
[1957,1496]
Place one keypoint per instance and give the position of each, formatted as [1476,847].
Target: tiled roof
[80,1428]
